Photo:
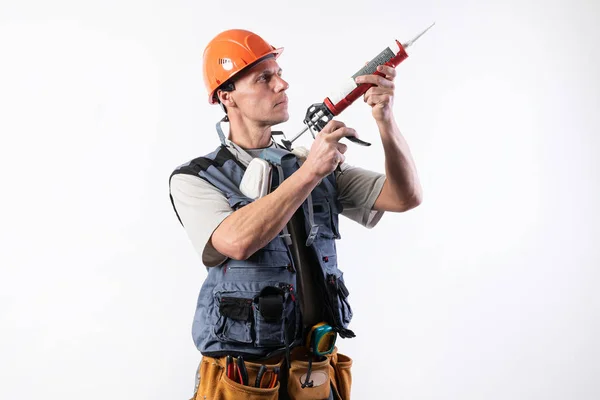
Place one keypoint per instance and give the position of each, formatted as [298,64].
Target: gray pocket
[235,322]
[268,332]
[274,313]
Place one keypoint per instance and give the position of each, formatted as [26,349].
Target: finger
[379,91]
[375,94]
[374,80]
[338,158]
[341,147]
[335,160]
[342,132]
[390,73]
[332,126]
[379,99]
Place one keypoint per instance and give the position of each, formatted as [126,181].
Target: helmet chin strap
[220,131]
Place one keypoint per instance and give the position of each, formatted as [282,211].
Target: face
[259,94]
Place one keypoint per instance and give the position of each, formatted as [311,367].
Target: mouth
[283,102]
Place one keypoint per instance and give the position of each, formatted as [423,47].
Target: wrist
[307,176]
[386,124]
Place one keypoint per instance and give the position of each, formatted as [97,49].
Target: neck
[249,135]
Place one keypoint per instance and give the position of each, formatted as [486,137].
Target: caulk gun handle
[287,144]
[358,141]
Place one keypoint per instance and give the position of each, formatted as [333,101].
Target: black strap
[200,164]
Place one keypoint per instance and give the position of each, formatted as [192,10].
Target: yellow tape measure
[321,339]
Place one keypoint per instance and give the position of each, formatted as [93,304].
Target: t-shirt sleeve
[202,208]
[358,188]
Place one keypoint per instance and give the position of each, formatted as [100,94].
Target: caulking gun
[319,114]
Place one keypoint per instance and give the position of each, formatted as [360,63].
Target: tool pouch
[331,374]
[341,373]
[215,385]
[320,379]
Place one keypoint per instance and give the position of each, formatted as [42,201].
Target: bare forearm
[253,226]
[402,189]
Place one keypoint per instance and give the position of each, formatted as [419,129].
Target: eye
[263,78]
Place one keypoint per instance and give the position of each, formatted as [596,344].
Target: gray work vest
[249,307]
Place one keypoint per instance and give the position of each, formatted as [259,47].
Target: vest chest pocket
[326,216]
[234,323]
[262,314]
[275,316]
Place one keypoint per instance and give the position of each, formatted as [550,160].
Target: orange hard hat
[230,52]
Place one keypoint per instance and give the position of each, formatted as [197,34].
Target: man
[271,258]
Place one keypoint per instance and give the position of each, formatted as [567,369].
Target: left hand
[381,96]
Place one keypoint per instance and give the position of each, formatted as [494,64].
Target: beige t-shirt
[202,207]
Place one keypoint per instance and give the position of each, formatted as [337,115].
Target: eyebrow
[268,72]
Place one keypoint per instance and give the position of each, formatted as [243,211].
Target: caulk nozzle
[410,42]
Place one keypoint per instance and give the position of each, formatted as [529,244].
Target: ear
[226,98]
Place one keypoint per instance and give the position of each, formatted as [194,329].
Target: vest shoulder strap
[216,159]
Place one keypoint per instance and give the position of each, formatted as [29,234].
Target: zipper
[257,267]
[289,266]
[261,267]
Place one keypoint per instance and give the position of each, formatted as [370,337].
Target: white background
[488,290]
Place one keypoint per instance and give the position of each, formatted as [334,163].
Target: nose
[281,84]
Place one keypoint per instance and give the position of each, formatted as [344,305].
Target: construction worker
[271,255]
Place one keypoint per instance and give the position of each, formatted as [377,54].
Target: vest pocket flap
[236,308]
[271,306]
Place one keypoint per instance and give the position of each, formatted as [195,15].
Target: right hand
[326,153]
